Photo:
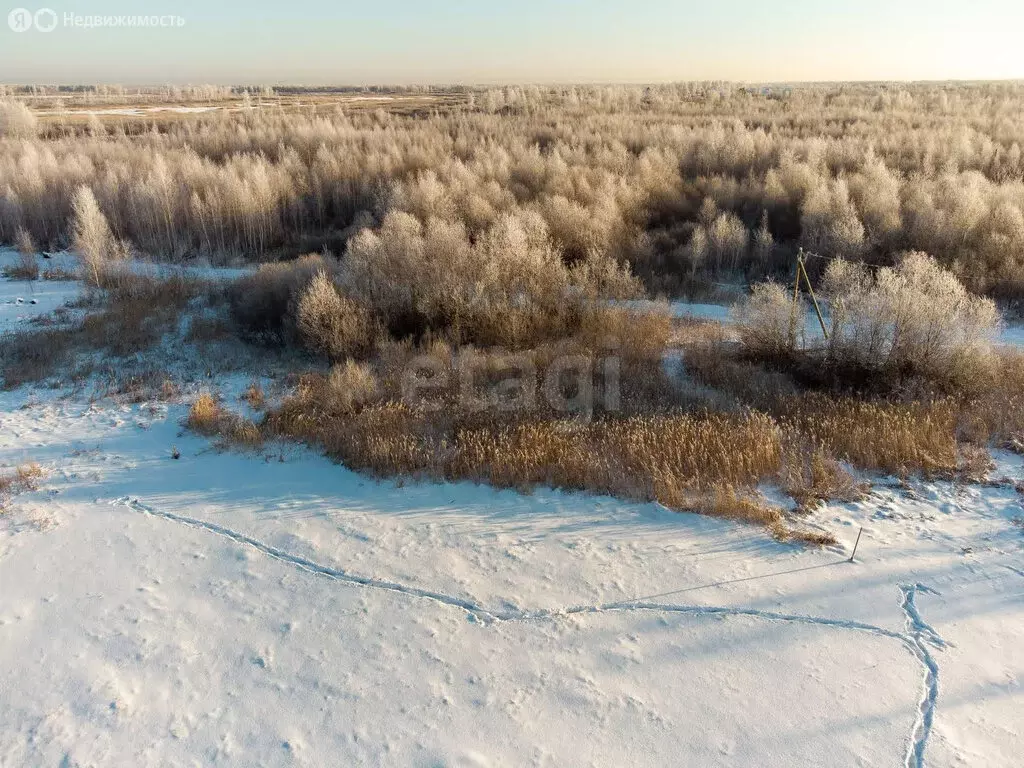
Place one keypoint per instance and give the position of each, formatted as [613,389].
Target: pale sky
[476,41]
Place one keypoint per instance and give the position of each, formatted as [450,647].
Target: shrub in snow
[768,323]
[262,303]
[509,286]
[331,324]
[26,268]
[916,318]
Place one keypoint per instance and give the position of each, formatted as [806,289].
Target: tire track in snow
[916,639]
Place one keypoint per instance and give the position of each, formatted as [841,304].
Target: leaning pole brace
[856,544]
[796,302]
[810,290]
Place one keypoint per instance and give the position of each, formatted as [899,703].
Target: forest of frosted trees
[688,184]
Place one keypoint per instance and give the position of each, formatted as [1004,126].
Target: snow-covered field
[131,110]
[21,301]
[277,609]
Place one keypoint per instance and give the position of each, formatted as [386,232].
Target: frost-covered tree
[17,120]
[829,222]
[92,238]
[916,317]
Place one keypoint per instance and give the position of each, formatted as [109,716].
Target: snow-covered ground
[21,301]
[131,110]
[1012,333]
[274,608]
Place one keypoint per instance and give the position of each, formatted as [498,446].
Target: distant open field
[137,106]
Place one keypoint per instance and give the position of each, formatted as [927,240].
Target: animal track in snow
[917,638]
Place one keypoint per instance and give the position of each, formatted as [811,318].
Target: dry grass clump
[351,386]
[27,267]
[318,399]
[25,244]
[809,475]
[688,332]
[660,458]
[207,417]
[92,236]
[675,459]
[17,121]
[386,439]
[708,463]
[138,311]
[204,416]
[974,463]
[29,356]
[632,333]
[206,329]
[995,414]
[22,479]
[885,436]
[571,375]
[148,386]
[782,532]
[720,364]
[254,396]
[731,504]
[59,274]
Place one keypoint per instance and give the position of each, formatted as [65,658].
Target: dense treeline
[687,183]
